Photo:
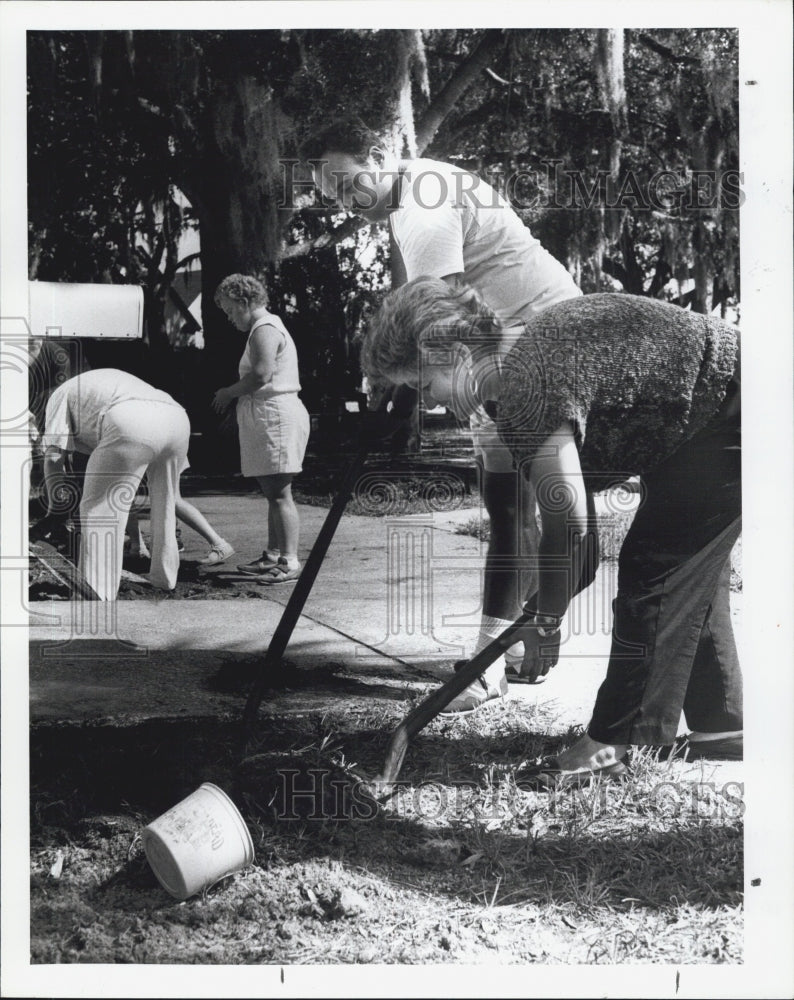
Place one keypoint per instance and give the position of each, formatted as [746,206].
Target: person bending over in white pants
[128,428]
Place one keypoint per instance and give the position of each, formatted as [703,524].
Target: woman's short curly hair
[425,312]
[241,288]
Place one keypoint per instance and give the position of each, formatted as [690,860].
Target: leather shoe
[729,748]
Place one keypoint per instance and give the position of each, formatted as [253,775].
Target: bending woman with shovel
[594,390]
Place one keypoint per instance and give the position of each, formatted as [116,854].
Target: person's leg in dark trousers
[672,644]
[713,701]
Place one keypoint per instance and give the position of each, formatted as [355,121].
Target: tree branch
[343,231]
[492,40]
[615,270]
[665,51]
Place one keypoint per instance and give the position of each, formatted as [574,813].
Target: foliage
[543,114]
[121,122]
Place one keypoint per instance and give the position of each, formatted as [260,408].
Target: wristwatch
[547,625]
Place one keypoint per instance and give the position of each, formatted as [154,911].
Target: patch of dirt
[194,583]
[456,867]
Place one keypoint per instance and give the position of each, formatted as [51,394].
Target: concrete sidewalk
[395,603]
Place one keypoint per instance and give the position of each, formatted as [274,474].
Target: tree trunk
[238,190]
[612,89]
[608,56]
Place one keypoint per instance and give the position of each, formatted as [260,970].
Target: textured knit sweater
[634,376]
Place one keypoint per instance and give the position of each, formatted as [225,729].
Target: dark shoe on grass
[729,748]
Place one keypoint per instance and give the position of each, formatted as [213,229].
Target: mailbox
[94,312]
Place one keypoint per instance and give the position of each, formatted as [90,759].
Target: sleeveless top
[284,377]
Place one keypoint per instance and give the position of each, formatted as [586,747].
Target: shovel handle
[302,589]
[428,709]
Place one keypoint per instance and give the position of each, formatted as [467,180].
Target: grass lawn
[461,865]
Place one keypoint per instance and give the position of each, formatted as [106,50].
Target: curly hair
[342,135]
[426,312]
[241,288]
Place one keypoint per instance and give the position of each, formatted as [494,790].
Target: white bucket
[197,842]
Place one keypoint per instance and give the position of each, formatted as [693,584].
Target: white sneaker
[217,554]
[483,691]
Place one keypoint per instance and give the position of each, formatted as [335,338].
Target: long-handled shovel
[303,587]
[465,672]
[361,795]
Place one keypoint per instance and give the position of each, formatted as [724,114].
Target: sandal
[516,677]
[513,671]
[280,573]
[546,775]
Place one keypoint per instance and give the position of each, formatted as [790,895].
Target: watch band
[547,625]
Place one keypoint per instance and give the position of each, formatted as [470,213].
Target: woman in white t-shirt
[272,420]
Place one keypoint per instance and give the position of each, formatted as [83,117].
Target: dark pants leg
[713,700]
[672,643]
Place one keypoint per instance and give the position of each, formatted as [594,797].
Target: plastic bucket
[197,842]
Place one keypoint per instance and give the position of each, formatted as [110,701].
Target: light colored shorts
[488,446]
[273,434]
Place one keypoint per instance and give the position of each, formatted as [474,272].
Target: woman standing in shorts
[273,422]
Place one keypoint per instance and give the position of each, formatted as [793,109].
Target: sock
[490,628]
[272,555]
[705,737]
[291,562]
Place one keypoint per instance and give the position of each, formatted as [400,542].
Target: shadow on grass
[616,846]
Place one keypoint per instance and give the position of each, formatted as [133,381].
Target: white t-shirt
[450,221]
[76,409]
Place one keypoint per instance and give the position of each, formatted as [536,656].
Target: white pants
[137,437]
